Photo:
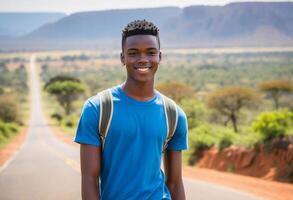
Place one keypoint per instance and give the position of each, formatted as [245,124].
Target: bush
[273,124]
[224,137]
[69,124]
[8,109]
[70,121]
[248,138]
[57,117]
[200,139]
[1,91]
[7,130]
[195,111]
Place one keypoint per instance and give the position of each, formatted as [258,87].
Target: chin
[144,80]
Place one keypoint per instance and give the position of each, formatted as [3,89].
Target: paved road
[47,169]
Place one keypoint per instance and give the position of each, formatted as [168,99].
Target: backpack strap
[171,114]
[106,113]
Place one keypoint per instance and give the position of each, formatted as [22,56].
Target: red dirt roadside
[267,189]
[12,147]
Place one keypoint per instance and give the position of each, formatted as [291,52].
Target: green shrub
[200,139]
[69,124]
[12,127]
[70,121]
[248,138]
[195,111]
[273,123]
[4,130]
[7,130]
[8,109]
[57,117]
[224,137]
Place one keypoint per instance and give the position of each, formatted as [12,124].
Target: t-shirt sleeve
[87,131]
[179,139]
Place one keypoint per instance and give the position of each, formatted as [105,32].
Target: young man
[128,164]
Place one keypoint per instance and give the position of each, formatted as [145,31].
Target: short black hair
[140,27]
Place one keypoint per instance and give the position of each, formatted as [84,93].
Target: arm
[90,161]
[173,168]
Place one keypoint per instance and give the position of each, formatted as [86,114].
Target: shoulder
[181,113]
[94,101]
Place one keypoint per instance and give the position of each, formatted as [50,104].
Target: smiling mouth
[143,68]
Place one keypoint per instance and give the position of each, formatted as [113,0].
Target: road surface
[47,169]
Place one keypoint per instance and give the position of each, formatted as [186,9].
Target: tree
[275,89]
[176,91]
[228,102]
[66,90]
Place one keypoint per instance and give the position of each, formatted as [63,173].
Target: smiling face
[141,55]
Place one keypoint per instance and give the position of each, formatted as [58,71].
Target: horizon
[35,6]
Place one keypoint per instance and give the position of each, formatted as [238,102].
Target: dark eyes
[152,53]
[134,53]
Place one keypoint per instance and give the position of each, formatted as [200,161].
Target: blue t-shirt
[132,153]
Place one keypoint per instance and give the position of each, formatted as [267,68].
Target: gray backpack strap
[106,112]
[171,114]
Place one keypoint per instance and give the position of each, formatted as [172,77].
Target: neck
[139,91]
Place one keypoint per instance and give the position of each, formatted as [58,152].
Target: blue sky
[70,6]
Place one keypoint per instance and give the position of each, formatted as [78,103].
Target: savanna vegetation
[241,98]
[13,97]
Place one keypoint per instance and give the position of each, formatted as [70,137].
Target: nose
[143,58]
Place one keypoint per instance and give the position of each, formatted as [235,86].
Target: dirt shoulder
[262,188]
[10,149]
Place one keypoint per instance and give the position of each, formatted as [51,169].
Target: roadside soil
[271,190]
[263,188]
[10,149]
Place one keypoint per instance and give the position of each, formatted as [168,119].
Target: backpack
[106,113]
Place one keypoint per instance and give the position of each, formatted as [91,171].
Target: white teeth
[143,69]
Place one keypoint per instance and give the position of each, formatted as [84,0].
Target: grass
[7,132]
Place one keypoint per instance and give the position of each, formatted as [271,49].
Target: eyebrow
[148,49]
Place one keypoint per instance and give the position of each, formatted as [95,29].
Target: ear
[122,58]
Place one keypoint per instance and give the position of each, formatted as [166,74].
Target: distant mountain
[242,23]
[19,24]
[101,24]
[235,24]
